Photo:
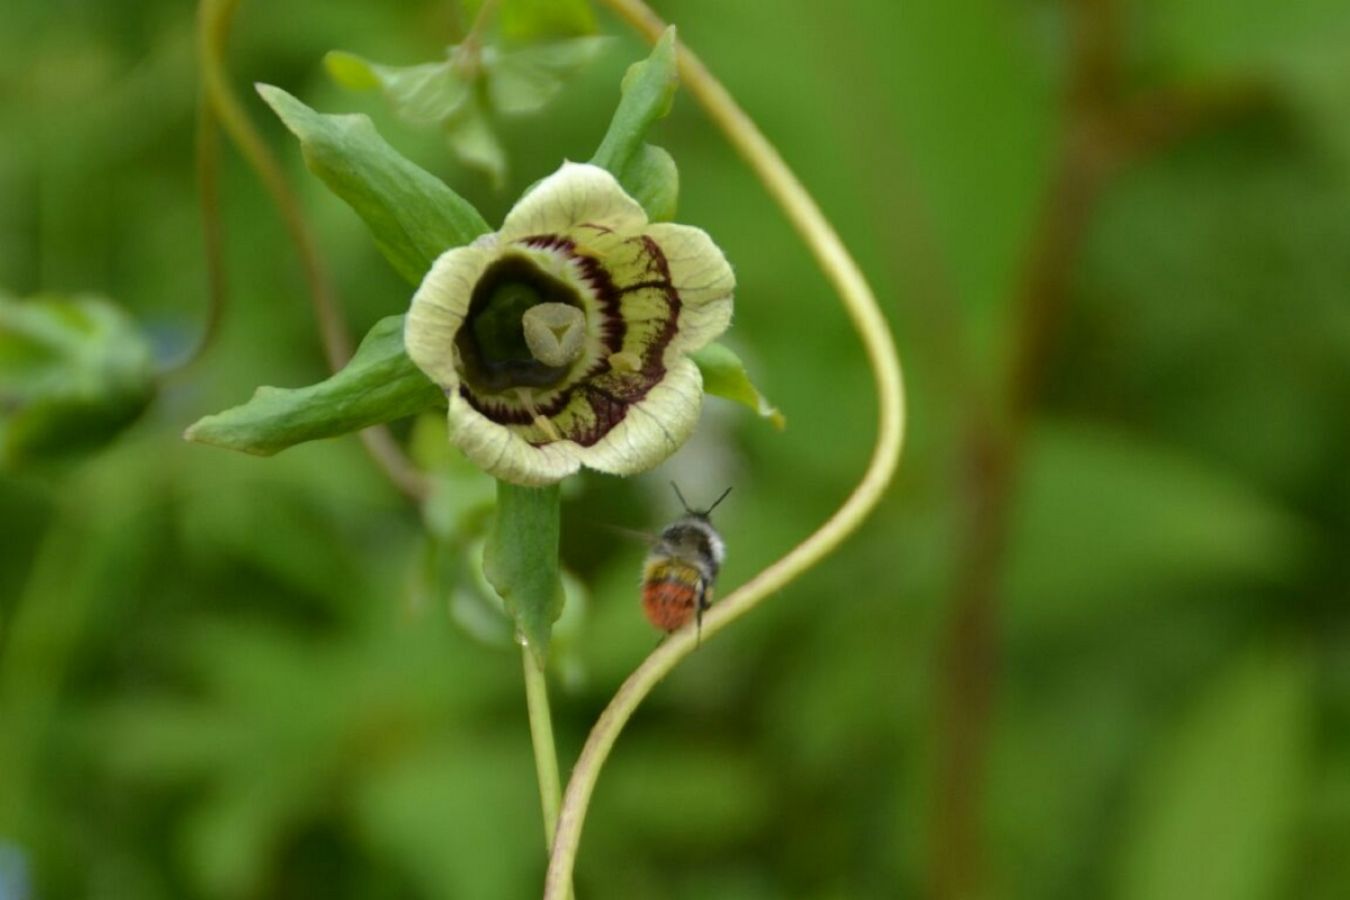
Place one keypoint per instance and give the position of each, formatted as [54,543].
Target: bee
[681,568]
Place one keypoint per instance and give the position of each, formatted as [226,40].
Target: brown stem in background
[213,234]
[214,18]
[1102,134]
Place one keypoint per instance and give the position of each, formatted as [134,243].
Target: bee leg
[703,603]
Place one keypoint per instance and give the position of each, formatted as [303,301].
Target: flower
[561,340]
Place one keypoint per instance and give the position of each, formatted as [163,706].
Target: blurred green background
[1095,643]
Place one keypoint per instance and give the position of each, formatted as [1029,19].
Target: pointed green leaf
[521,559]
[378,385]
[73,373]
[413,216]
[724,376]
[647,94]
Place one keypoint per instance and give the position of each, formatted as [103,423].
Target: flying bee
[681,568]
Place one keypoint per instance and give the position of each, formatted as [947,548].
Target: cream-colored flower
[561,340]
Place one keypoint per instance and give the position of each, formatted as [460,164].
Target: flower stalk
[861,305]
[541,736]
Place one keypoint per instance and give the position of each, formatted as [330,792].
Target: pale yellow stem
[861,306]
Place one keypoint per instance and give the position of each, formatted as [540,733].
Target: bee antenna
[683,502]
[709,510]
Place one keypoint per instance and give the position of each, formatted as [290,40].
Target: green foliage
[647,173]
[74,373]
[222,677]
[1111,525]
[379,384]
[412,215]
[461,94]
[724,375]
[1219,805]
[521,559]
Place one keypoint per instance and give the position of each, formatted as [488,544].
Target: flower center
[524,328]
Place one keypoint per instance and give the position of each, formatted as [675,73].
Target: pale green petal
[703,278]
[652,429]
[577,194]
[504,454]
[439,308]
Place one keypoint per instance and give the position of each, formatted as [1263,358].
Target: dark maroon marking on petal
[654,365]
[499,413]
[609,411]
[609,394]
[644,285]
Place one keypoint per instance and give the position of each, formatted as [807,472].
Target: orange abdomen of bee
[670,603]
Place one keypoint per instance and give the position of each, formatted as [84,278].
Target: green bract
[644,295]
[724,376]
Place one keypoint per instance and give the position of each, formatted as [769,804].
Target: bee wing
[644,537]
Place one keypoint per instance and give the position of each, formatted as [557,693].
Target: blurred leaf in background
[73,373]
[464,93]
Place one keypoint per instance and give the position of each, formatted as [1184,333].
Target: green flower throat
[524,328]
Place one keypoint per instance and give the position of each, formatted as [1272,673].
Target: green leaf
[652,179]
[413,216]
[379,384]
[74,372]
[472,140]
[521,560]
[647,94]
[1219,809]
[724,376]
[528,20]
[351,71]
[424,94]
[523,81]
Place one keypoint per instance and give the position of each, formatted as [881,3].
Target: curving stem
[861,306]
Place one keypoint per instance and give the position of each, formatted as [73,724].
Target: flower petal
[702,277]
[439,308]
[504,454]
[652,428]
[577,194]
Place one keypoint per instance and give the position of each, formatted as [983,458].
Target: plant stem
[1104,131]
[861,306]
[213,237]
[481,22]
[216,16]
[541,735]
[225,109]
